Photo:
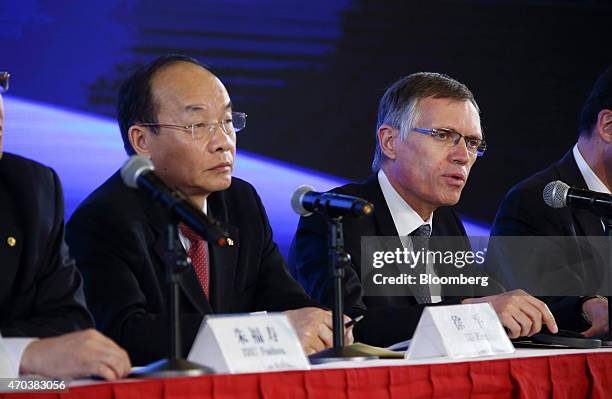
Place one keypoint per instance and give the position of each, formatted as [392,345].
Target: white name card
[248,343]
[459,331]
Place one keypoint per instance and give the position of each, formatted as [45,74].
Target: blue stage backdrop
[310,75]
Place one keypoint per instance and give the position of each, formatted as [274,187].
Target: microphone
[559,195]
[138,172]
[305,201]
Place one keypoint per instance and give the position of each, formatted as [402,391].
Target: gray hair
[399,106]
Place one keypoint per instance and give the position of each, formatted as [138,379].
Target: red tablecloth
[587,375]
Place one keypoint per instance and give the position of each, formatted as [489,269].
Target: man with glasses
[41,295]
[588,165]
[179,114]
[428,138]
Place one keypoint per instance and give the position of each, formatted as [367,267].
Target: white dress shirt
[14,348]
[185,241]
[406,221]
[593,182]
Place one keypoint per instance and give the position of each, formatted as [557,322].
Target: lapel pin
[11,241]
[230,242]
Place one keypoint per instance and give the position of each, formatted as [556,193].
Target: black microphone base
[340,355]
[171,368]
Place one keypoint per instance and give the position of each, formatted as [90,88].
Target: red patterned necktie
[198,255]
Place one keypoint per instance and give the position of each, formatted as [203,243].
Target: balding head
[136,102]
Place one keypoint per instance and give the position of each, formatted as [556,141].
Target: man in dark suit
[180,115]
[428,138]
[588,165]
[41,291]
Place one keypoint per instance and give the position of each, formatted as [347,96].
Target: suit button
[11,241]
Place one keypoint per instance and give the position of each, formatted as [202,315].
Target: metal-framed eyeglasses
[4,81]
[450,137]
[201,130]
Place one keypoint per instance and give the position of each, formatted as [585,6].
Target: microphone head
[133,168]
[555,194]
[296,200]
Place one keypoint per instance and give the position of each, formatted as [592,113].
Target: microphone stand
[607,221]
[175,261]
[339,259]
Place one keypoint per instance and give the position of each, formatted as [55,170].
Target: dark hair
[399,105]
[135,102]
[600,98]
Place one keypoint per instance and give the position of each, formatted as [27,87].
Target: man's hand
[314,328]
[522,314]
[78,354]
[596,310]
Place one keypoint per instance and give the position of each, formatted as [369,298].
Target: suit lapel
[223,260]
[385,226]
[587,224]
[188,280]
[382,215]
[11,244]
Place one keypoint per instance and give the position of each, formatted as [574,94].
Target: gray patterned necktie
[420,240]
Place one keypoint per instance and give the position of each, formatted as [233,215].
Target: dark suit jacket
[524,213]
[388,319]
[117,234]
[41,291]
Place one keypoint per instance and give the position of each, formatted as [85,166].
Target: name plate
[248,343]
[459,331]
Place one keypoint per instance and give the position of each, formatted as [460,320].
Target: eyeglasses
[450,137]
[206,129]
[4,81]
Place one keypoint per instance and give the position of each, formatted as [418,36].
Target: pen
[352,322]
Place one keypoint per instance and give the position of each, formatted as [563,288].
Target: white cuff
[15,348]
